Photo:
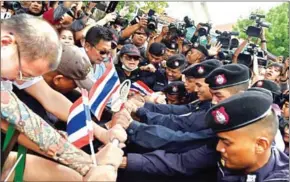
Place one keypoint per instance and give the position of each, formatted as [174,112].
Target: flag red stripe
[75,104]
[81,142]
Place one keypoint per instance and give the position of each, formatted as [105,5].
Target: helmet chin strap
[128,69]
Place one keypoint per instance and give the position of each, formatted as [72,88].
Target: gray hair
[36,38]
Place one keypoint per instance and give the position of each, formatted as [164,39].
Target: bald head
[36,38]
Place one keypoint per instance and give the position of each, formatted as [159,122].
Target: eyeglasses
[20,76]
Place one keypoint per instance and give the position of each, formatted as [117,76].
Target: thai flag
[78,133]
[102,90]
[79,129]
[141,87]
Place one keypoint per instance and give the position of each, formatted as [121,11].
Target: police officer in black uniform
[173,72]
[176,93]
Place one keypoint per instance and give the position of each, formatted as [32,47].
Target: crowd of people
[208,120]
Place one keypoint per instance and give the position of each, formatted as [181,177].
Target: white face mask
[128,69]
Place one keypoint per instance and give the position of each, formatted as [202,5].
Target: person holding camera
[139,33]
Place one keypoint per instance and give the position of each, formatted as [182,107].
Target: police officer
[173,72]
[171,48]
[176,93]
[196,54]
[245,138]
[244,145]
[185,123]
[224,82]
[170,131]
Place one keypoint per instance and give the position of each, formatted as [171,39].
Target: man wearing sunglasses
[98,47]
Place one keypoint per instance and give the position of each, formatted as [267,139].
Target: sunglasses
[102,52]
[135,58]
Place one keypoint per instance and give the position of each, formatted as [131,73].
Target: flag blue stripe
[76,123]
[108,87]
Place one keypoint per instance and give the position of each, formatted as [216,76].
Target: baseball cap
[75,65]
[130,50]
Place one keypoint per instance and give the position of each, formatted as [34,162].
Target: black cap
[269,85]
[170,44]
[157,49]
[176,61]
[175,88]
[228,115]
[202,69]
[130,49]
[227,76]
[258,89]
[200,47]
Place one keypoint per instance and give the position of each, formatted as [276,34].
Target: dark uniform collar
[274,170]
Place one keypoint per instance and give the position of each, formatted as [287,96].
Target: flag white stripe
[78,134]
[75,112]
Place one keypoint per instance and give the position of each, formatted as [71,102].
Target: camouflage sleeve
[48,139]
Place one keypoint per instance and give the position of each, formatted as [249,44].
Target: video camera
[226,56]
[228,43]
[188,22]
[247,56]
[225,38]
[255,31]
[204,30]
[177,30]
[12,5]
[152,20]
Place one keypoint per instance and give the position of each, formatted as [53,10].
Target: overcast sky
[223,12]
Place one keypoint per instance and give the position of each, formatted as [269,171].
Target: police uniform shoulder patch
[220,116]
[220,79]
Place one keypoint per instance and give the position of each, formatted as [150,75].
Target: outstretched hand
[214,49]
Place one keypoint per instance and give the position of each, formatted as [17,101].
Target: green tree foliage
[157,6]
[278,35]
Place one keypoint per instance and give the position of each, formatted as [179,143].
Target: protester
[201,106]
[14,111]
